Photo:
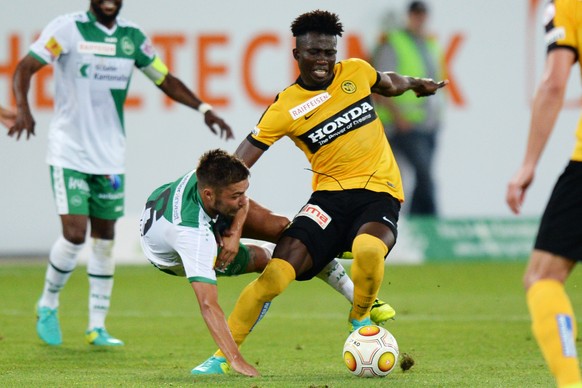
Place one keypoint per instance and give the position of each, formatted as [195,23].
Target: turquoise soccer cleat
[100,337]
[355,324]
[47,325]
[381,312]
[213,366]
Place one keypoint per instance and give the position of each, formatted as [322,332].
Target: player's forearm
[546,107]
[177,91]
[216,323]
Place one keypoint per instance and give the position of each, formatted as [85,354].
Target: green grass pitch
[465,325]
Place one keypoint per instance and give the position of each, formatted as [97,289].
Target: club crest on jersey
[316,214]
[349,87]
[127,46]
[348,119]
[309,105]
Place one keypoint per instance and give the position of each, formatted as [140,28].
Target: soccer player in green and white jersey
[93,54]
[178,237]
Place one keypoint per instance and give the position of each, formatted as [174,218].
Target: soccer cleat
[100,337]
[381,312]
[47,325]
[355,324]
[213,366]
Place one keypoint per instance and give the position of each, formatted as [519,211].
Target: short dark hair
[320,21]
[218,169]
[417,7]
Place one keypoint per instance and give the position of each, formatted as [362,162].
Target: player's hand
[517,187]
[218,126]
[244,368]
[7,117]
[23,122]
[229,244]
[428,87]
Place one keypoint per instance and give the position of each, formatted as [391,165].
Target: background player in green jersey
[93,54]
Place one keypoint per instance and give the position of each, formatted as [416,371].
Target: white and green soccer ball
[371,351]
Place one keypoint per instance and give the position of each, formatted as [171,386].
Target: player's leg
[72,206]
[557,249]
[367,270]
[106,206]
[553,321]
[262,224]
[374,239]
[335,275]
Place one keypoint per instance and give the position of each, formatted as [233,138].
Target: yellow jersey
[338,130]
[563,20]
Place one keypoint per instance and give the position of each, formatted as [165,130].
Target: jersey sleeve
[560,27]
[272,126]
[54,40]
[148,61]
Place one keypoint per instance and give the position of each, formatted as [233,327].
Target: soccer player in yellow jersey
[558,246]
[328,113]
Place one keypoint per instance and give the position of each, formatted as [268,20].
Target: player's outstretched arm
[393,84]
[24,122]
[177,91]
[207,295]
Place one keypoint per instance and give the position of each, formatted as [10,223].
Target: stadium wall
[239,59]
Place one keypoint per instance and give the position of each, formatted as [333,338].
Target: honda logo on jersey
[348,119]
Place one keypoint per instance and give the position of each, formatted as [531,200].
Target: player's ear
[295,54]
[208,194]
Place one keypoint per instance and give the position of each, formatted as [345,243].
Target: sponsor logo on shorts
[77,184]
[115,181]
[316,214]
[111,196]
[309,105]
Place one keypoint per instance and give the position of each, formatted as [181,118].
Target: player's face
[106,11]
[231,199]
[316,55]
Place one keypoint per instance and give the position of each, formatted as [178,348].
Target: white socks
[100,269]
[335,275]
[62,262]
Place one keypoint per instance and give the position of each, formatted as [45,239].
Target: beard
[103,17]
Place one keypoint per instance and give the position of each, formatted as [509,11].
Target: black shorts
[330,220]
[560,229]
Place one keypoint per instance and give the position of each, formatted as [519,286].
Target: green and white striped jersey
[92,70]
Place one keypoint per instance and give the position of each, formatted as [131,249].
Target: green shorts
[100,196]
[238,265]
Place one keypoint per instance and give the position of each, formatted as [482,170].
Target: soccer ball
[371,351]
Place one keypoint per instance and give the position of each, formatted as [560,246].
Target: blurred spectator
[411,123]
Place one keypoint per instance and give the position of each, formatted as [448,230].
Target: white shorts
[180,250]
